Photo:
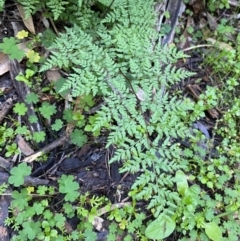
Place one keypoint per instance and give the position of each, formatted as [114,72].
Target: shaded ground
[89,164]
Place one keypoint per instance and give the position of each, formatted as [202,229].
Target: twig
[7,105]
[108,8]
[198,46]
[54,27]
[5,164]
[104,210]
[47,148]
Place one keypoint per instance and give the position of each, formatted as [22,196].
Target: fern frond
[113,56]
[57,7]
[30,6]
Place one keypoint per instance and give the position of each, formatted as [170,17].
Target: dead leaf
[197,7]
[220,45]
[23,46]
[4,63]
[68,227]
[53,75]
[212,22]
[185,40]
[28,22]
[213,113]
[98,223]
[23,146]
[5,108]
[45,22]
[234,3]
[140,94]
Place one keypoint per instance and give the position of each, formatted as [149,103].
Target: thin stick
[198,46]
[7,105]
[46,149]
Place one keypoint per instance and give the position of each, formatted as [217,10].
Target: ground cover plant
[187,185]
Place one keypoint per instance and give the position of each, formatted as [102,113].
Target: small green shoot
[11,150]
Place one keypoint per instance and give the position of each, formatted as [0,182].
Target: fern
[113,51]
[63,9]
[30,6]
[57,7]
[117,61]
[2,2]
[115,58]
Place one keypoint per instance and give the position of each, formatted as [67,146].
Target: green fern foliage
[62,9]
[2,2]
[117,59]
[30,6]
[111,51]
[57,7]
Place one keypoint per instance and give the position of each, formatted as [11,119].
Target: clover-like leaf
[67,207]
[20,109]
[18,174]
[89,235]
[60,220]
[31,229]
[39,136]
[47,110]
[33,56]
[38,208]
[78,138]
[42,190]
[68,186]
[33,119]
[32,98]
[22,130]
[20,199]
[9,47]
[57,125]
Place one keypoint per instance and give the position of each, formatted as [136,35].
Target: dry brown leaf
[185,40]
[23,146]
[23,46]
[53,75]
[4,63]
[213,113]
[234,3]
[197,7]
[212,22]
[220,45]
[28,22]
